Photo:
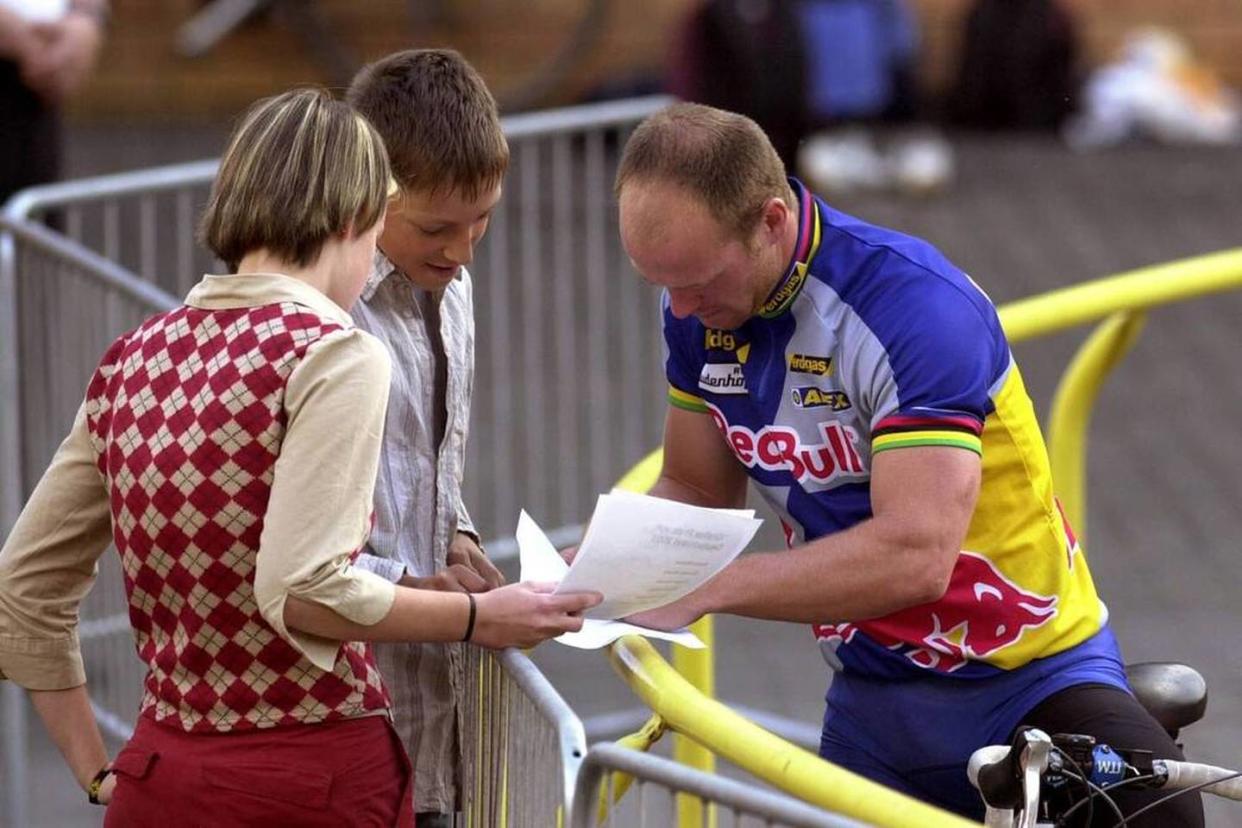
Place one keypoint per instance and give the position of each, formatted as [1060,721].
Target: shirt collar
[381,268]
[790,285]
[248,290]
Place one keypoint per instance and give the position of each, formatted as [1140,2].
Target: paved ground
[1024,216]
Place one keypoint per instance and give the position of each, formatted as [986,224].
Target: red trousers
[352,772]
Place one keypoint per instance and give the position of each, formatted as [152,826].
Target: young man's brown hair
[722,157]
[438,119]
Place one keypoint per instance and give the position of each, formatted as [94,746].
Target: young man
[864,383]
[449,157]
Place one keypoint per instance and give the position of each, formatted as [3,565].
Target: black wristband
[470,621]
[92,790]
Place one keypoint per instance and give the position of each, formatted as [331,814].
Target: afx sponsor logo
[722,378]
[811,397]
[778,448]
[817,365]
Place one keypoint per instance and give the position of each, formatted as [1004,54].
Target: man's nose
[460,250]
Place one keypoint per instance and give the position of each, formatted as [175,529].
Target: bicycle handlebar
[1008,777]
[1189,774]
[997,770]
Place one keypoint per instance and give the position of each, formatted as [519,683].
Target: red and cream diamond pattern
[186,415]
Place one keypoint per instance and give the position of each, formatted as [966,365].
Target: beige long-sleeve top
[318,514]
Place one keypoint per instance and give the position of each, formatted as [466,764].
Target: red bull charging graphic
[981,613]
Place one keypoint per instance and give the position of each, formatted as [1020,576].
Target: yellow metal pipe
[1072,406]
[644,474]
[788,767]
[1133,290]
[696,666]
[642,739]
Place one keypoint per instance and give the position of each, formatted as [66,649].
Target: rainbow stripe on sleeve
[901,431]
[684,400]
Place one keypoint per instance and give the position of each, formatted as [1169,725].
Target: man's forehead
[446,204]
[659,214]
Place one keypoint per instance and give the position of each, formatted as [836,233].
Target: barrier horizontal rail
[745,804]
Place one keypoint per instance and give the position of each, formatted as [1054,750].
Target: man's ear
[775,214]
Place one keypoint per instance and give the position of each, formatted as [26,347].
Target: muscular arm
[922,502]
[698,467]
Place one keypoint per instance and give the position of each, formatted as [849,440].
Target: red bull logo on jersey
[780,448]
[982,613]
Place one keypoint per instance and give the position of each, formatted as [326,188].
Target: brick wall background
[141,76]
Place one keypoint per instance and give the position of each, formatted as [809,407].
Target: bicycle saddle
[1176,695]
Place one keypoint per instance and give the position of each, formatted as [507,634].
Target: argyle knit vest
[186,415]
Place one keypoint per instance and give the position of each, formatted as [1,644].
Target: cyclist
[864,383]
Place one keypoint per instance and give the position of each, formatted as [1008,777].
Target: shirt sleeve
[388,569]
[48,564]
[929,367]
[464,523]
[323,485]
[680,366]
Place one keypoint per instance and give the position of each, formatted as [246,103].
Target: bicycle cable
[1176,794]
[1096,790]
[1089,799]
[1108,789]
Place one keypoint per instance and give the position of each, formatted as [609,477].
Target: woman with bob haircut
[228,449]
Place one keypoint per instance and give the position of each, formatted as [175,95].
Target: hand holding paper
[644,552]
[641,552]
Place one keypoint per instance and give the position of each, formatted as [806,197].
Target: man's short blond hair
[438,119]
[299,169]
[721,157]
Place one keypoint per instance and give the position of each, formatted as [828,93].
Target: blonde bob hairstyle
[299,169]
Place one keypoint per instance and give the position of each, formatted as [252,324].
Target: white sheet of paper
[38,11]
[541,562]
[644,552]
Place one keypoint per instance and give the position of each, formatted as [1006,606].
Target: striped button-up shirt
[418,505]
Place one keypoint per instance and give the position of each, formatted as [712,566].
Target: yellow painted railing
[1121,301]
[682,698]
[788,767]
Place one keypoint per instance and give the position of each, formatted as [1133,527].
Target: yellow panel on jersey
[1019,528]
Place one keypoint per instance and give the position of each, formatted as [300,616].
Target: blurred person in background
[228,449]
[47,50]
[449,156]
[866,386]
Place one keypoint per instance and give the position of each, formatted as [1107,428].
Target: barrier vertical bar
[14,702]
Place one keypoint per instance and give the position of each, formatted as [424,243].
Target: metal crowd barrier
[567,347]
[658,783]
[521,743]
[61,306]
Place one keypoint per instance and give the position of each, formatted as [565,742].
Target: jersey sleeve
[940,355]
[682,361]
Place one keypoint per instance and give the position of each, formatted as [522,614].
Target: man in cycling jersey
[864,384]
